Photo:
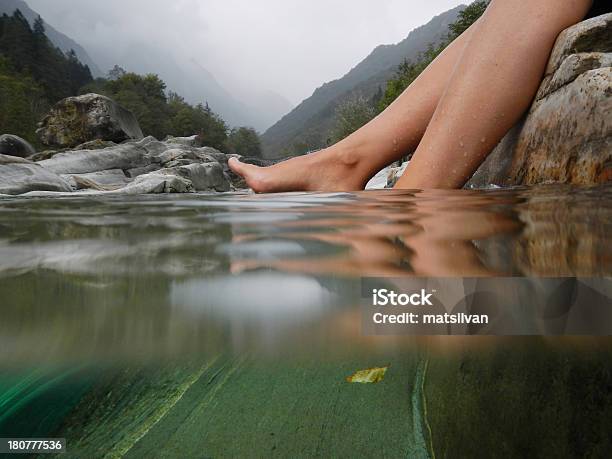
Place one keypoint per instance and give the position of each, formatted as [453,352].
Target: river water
[215,325]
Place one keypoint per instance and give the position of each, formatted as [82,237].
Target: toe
[236,166]
[248,172]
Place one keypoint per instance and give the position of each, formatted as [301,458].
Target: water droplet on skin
[483,140]
[465,153]
[461,144]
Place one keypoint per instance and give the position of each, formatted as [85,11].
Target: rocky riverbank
[136,165]
[175,165]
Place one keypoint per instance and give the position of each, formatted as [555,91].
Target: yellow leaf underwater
[371,375]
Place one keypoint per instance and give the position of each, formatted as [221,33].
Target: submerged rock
[566,137]
[14,145]
[75,120]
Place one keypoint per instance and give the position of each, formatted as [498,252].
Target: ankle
[345,157]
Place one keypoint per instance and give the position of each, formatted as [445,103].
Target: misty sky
[287,46]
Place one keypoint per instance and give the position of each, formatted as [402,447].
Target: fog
[261,51]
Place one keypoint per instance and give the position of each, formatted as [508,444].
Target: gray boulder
[76,120]
[125,156]
[15,146]
[157,182]
[18,176]
[566,137]
[205,176]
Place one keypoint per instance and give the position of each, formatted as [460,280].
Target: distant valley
[307,126]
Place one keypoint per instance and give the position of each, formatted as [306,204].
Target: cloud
[289,47]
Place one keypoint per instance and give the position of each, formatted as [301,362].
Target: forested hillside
[57,38]
[311,124]
[355,111]
[34,74]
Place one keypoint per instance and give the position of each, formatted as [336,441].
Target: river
[225,324]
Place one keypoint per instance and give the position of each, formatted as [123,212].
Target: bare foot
[325,170]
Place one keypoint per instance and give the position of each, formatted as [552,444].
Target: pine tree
[39,27]
[116,72]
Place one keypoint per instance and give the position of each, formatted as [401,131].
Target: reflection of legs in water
[455,112]
[426,237]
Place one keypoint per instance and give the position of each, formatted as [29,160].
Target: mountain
[190,79]
[57,38]
[307,126]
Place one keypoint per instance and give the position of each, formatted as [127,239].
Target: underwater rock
[14,145]
[18,176]
[75,120]
[566,137]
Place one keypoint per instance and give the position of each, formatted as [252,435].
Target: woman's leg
[349,164]
[492,85]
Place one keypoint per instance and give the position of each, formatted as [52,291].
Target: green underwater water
[523,398]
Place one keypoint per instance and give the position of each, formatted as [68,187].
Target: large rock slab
[18,176]
[124,156]
[14,145]
[75,120]
[566,137]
